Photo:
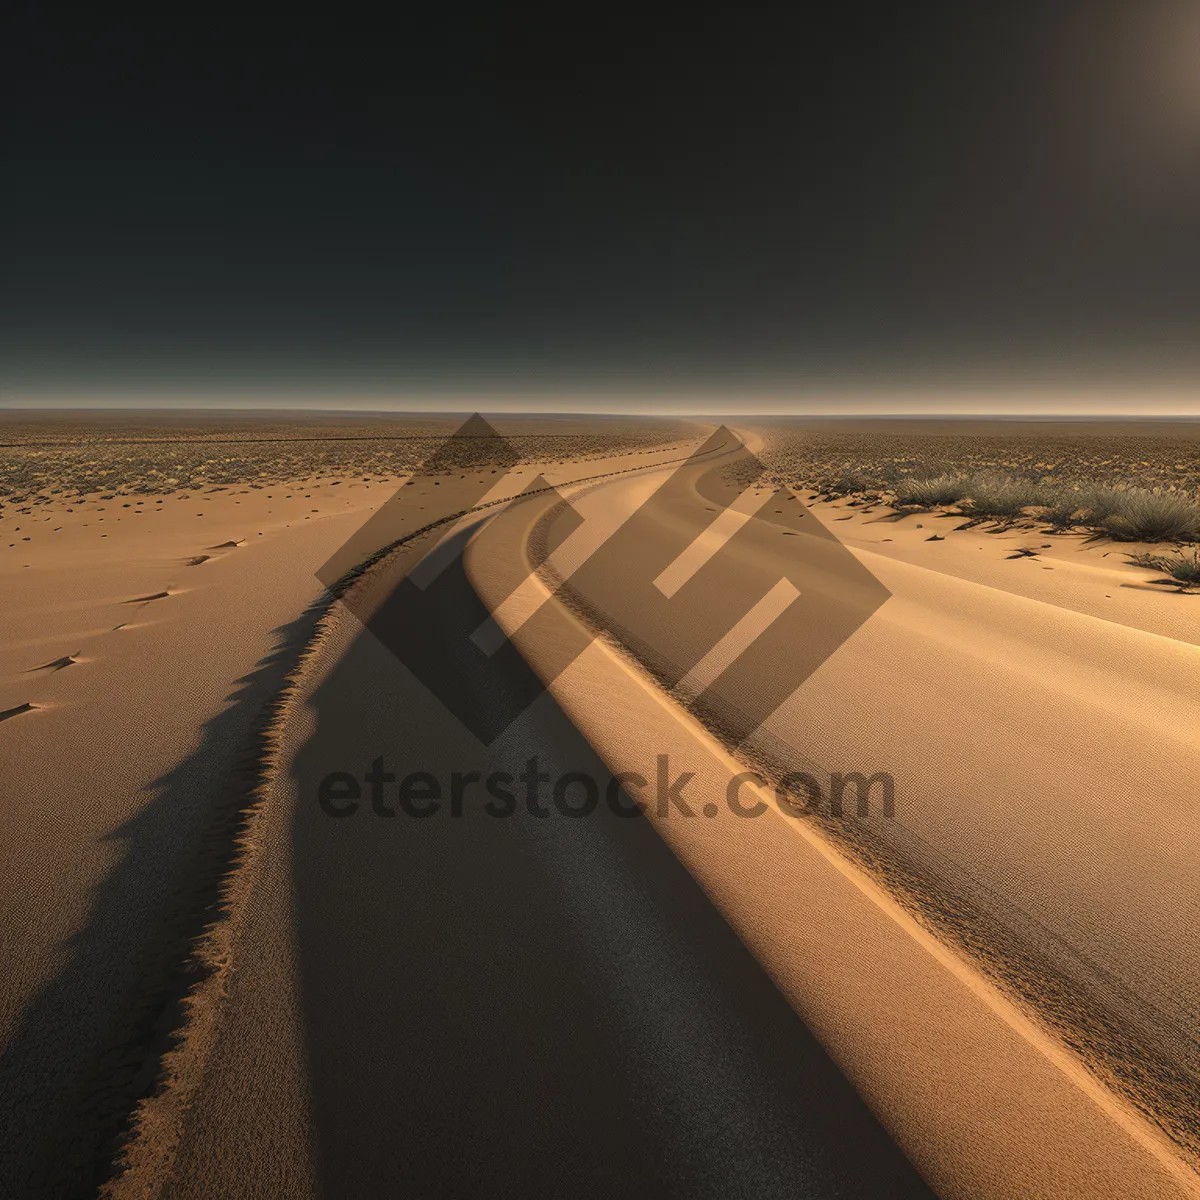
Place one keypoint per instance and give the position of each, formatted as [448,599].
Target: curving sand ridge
[1040,756]
[120,822]
[114,757]
[949,686]
[445,1004]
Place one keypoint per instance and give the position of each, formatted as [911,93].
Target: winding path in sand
[1004,719]
[449,1004]
[473,1005]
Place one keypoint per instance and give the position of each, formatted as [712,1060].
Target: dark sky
[600,197]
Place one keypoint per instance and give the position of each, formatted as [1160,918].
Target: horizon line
[768,414]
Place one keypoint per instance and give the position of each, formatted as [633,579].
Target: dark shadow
[89,1044]
[534,1005]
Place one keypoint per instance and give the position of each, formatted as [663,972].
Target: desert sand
[987,994]
[148,636]
[1065,873]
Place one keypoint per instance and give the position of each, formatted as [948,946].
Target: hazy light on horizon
[1122,401]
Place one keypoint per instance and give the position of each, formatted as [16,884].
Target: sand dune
[449,1004]
[1125,951]
[112,781]
[557,1003]
[121,818]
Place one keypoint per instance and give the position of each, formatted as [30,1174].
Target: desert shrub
[926,493]
[1183,568]
[998,494]
[1065,508]
[1101,502]
[1068,505]
[1153,516]
[1084,459]
[849,482]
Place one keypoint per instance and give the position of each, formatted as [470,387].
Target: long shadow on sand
[534,1005]
[89,1044]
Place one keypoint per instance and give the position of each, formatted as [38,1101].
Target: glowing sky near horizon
[940,207]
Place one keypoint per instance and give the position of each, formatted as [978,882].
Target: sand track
[127,785]
[984,1101]
[466,1006]
[1132,1020]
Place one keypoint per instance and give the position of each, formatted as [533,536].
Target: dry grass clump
[1072,506]
[999,494]
[1182,569]
[1068,509]
[849,483]
[1128,514]
[929,493]
[1153,516]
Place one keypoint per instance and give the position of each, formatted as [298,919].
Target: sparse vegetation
[929,493]
[1181,568]
[1067,510]
[75,454]
[1153,516]
[1100,503]
[1127,486]
[850,483]
[997,494]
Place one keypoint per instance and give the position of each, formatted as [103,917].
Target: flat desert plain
[976,976]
